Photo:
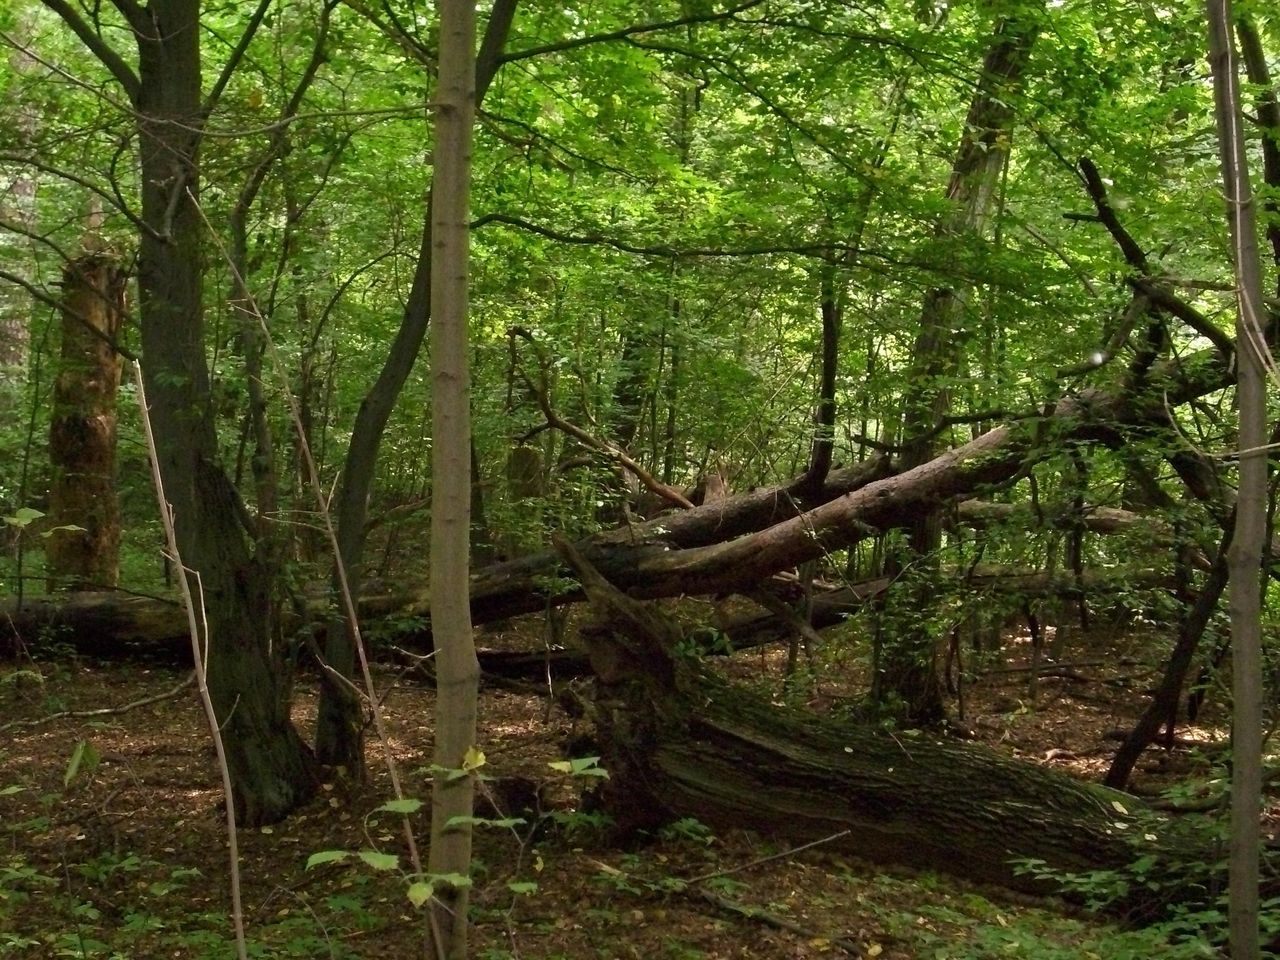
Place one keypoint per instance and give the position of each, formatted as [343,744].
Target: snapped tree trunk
[678,742]
[83,550]
[271,768]
[907,670]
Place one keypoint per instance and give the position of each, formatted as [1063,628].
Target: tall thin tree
[1245,556]
[457,671]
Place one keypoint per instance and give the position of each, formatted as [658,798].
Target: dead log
[680,743]
[733,545]
[117,625]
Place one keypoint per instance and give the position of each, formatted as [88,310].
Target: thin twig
[773,856]
[101,711]
[199,630]
[773,920]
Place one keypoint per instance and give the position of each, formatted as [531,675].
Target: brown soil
[105,864]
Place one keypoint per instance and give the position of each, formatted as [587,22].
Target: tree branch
[98,47]
[489,57]
[237,54]
[1145,283]
[626,32]
[58,304]
[540,392]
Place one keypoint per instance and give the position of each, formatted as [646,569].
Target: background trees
[694,236]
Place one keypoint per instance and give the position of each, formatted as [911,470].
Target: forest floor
[125,855]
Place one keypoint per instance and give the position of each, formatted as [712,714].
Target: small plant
[688,828]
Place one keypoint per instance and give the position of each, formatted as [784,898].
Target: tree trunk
[457,672]
[1245,555]
[907,671]
[271,768]
[82,429]
[339,724]
[680,743]
[1163,707]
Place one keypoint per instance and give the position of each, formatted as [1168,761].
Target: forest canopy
[908,320]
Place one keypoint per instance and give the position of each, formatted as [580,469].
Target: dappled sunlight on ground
[122,838]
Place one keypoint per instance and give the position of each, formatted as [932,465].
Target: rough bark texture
[82,429]
[271,768]
[907,667]
[679,743]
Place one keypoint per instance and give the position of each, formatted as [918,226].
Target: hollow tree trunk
[84,547]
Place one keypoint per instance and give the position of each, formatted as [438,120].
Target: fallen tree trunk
[736,544]
[733,545]
[114,625]
[679,743]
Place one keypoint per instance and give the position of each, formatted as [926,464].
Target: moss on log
[679,742]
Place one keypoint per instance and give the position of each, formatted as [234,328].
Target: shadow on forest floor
[127,859]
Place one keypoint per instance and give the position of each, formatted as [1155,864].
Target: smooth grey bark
[1245,556]
[339,724]
[457,672]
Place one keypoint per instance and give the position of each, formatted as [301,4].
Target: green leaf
[404,805]
[451,879]
[506,823]
[327,856]
[522,887]
[10,790]
[66,526]
[419,892]
[23,517]
[379,861]
[83,757]
[580,767]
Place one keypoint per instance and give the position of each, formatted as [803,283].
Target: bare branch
[57,303]
[100,711]
[540,392]
[237,54]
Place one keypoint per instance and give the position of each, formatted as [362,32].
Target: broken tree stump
[679,742]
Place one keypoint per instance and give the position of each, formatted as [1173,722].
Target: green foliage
[84,759]
[1194,920]
[579,767]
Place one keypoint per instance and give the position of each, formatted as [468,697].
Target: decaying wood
[113,624]
[680,743]
[735,544]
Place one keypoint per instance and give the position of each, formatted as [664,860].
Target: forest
[693,479]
